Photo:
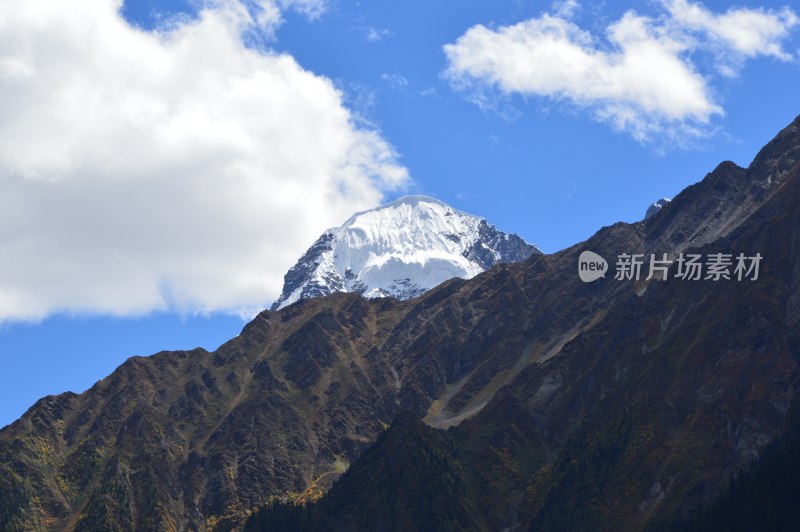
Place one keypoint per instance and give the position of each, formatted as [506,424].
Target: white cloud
[311,8]
[465,196]
[738,33]
[396,81]
[640,76]
[640,85]
[377,34]
[165,170]
[565,8]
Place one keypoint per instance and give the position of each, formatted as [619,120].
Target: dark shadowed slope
[765,496]
[408,480]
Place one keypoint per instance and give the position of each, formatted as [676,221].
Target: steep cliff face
[616,403]
[401,250]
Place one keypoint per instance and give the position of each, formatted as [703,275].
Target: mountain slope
[669,388]
[401,250]
[407,481]
[763,497]
[619,403]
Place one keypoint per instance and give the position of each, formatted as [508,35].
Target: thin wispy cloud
[465,196]
[395,81]
[311,8]
[374,34]
[176,169]
[640,76]
[565,8]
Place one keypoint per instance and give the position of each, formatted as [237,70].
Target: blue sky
[162,166]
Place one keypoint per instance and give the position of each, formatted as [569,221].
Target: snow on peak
[400,249]
[655,207]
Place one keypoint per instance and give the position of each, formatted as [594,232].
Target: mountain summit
[401,249]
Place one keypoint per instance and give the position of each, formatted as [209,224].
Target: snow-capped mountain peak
[655,207]
[400,249]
